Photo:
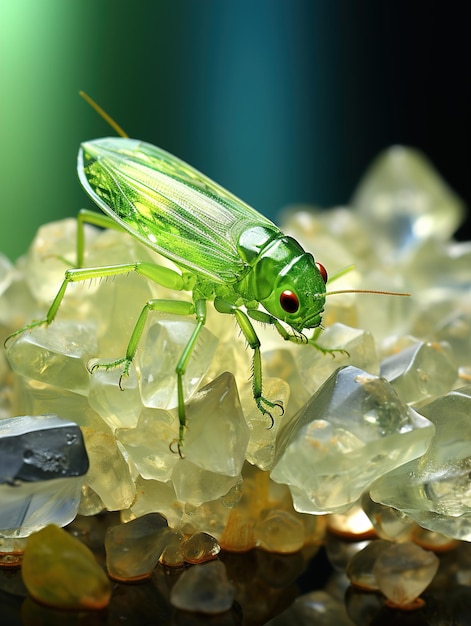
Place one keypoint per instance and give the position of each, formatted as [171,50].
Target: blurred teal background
[281,101]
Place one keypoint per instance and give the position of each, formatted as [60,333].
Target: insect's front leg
[252,339]
[266,318]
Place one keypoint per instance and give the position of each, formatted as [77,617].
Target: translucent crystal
[217,436]
[134,549]
[350,432]
[279,531]
[261,447]
[421,372]
[28,507]
[403,201]
[196,485]
[118,406]
[435,489]
[148,445]
[403,571]
[200,547]
[315,607]
[204,589]
[390,524]
[431,540]
[353,524]
[172,556]
[359,351]
[109,474]
[166,339]
[43,447]
[57,355]
[360,567]
[45,267]
[11,551]
[59,570]
[151,492]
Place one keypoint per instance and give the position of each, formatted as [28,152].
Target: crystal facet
[351,431]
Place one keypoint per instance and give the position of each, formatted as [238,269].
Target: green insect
[226,252]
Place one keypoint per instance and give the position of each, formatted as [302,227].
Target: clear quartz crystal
[43,463]
[421,372]
[200,547]
[167,338]
[403,201]
[351,431]
[403,571]
[57,355]
[435,489]
[360,569]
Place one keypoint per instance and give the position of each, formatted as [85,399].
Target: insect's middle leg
[176,307]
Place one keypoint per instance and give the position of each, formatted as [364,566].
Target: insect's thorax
[280,265]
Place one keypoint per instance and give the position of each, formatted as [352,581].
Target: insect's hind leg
[95,219]
[162,275]
[200,312]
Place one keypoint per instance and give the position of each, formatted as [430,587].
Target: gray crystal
[42,466]
[34,448]
[316,607]
[204,589]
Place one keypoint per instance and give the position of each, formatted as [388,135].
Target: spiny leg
[254,342]
[266,318]
[162,275]
[200,312]
[177,307]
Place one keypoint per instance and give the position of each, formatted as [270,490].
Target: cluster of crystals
[386,421]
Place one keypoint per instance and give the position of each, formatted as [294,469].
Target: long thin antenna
[108,119]
[380,293]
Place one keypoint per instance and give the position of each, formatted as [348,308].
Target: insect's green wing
[168,205]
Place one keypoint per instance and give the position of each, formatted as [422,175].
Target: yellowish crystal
[60,571]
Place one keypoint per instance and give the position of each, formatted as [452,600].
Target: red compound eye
[322,271]
[289,301]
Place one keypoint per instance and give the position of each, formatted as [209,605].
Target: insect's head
[296,293]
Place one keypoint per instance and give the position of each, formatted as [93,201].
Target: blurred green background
[281,101]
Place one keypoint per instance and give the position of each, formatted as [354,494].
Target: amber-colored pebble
[60,571]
